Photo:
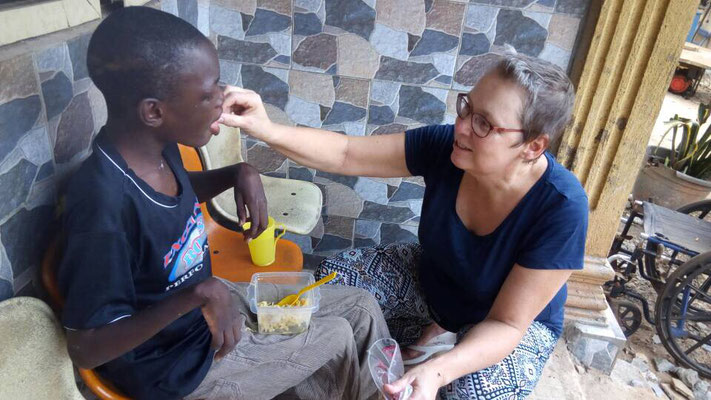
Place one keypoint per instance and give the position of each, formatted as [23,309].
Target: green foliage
[692,154]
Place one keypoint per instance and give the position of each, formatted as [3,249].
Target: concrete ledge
[595,346]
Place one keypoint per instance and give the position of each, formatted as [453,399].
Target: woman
[502,227]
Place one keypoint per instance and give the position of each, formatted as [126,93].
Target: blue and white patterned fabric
[390,274]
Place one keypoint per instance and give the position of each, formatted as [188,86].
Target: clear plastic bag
[385,363]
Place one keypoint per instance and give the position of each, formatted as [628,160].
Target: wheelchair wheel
[683,314]
[700,209]
[629,316]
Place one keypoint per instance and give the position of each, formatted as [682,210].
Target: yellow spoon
[293,298]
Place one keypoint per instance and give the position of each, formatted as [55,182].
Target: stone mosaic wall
[49,112]
[369,67]
[360,67]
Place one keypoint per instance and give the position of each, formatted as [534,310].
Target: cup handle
[283,232]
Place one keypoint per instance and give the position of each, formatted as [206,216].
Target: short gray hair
[548,106]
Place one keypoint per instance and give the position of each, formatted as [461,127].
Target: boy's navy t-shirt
[128,247]
[461,272]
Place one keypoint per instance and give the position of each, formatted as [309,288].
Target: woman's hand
[425,380]
[243,108]
[250,197]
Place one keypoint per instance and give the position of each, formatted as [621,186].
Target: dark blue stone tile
[392,69]
[380,115]
[307,24]
[546,3]
[283,59]
[19,178]
[428,5]
[444,79]
[360,243]
[434,42]
[391,190]
[75,129]
[344,112]
[272,89]
[412,41]
[336,80]
[266,21]
[575,7]
[187,10]
[46,170]
[378,212]
[57,93]
[29,290]
[523,33]
[421,106]
[300,173]
[25,236]
[246,20]
[352,16]
[16,118]
[331,243]
[312,261]
[392,233]
[333,70]
[392,128]
[77,53]
[243,51]
[474,44]
[323,111]
[5,289]
[408,191]
[349,181]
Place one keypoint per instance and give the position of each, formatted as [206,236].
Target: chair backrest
[223,150]
[33,360]
[52,257]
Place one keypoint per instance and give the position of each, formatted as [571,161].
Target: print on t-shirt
[185,256]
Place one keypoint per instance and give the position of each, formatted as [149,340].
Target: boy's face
[191,114]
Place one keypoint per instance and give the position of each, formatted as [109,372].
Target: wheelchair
[674,255]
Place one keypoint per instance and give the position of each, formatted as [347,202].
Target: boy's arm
[249,192]
[93,347]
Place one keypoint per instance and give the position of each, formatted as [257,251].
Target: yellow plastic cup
[262,249]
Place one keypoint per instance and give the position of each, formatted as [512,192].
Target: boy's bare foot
[432,330]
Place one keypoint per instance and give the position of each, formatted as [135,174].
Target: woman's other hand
[425,380]
[244,109]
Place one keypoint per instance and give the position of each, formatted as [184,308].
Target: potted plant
[673,178]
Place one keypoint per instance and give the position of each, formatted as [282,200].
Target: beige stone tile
[404,15]
[563,30]
[356,57]
[313,87]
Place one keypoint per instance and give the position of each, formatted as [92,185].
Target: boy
[141,304]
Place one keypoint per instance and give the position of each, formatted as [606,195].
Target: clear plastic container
[270,287]
[386,366]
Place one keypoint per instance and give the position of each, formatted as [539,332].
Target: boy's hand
[249,196]
[243,108]
[220,312]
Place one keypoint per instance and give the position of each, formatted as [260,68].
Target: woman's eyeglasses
[480,125]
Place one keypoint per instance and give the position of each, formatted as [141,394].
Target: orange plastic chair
[230,255]
[230,260]
[101,388]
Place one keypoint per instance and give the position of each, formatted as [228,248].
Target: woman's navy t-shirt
[461,272]
[128,247]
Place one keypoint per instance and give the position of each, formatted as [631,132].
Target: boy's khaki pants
[329,361]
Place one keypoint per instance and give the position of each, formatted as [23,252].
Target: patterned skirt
[390,274]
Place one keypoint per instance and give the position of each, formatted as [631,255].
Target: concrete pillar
[630,60]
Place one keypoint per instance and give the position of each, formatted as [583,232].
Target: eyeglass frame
[462,98]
